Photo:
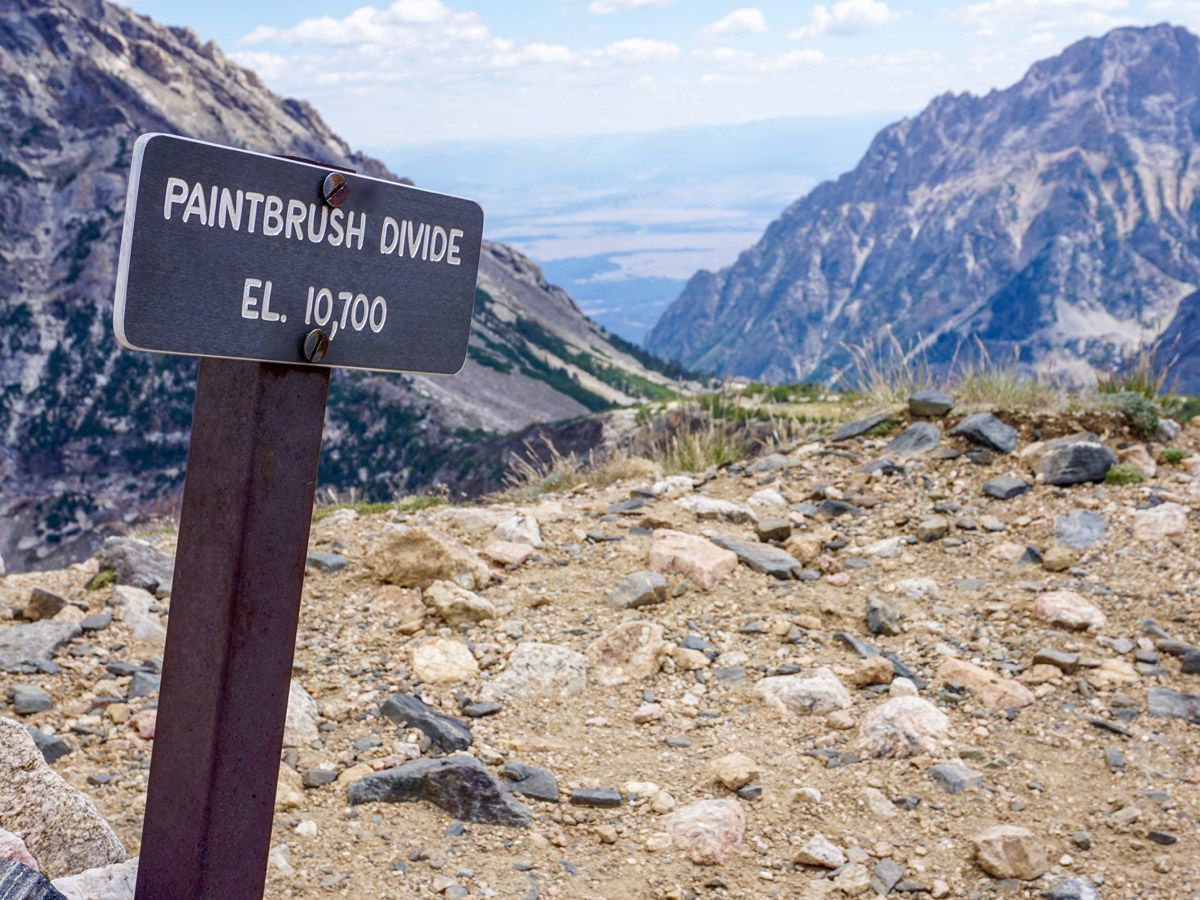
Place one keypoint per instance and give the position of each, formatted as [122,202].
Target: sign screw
[316,344]
[335,189]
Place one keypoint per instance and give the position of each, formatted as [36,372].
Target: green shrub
[1124,473]
[1141,413]
[1173,456]
[102,579]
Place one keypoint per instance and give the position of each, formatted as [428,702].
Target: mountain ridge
[1056,219]
[94,436]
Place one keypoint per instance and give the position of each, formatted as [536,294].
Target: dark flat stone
[930,403]
[143,684]
[1077,463]
[480,710]
[916,439]
[1079,529]
[461,785]
[763,557]
[953,778]
[540,784]
[53,747]
[1173,704]
[326,563]
[96,621]
[604,798]
[860,427]
[447,734]
[1005,487]
[18,882]
[137,563]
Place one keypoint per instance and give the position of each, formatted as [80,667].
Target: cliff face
[93,434]
[1059,218]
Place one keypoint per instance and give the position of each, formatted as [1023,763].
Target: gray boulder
[19,882]
[1005,487]
[1078,462]
[138,563]
[860,426]
[24,648]
[763,558]
[638,590]
[115,882]
[446,733]
[985,430]
[1079,529]
[930,403]
[917,438]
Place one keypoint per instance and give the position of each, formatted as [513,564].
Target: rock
[457,605]
[820,851]
[916,439]
[440,660]
[289,789]
[672,486]
[988,686]
[540,784]
[1173,704]
[1059,558]
[24,647]
[933,528]
[767,497]
[13,849]
[19,882]
[930,403]
[873,670]
[883,618]
[520,529]
[140,613]
[409,556]
[507,553]
[28,699]
[953,778]
[860,426]
[1079,529]
[638,590]
[700,561]
[807,546]
[143,723]
[772,462]
[144,684]
[1005,487]
[762,557]
[647,713]
[600,798]
[115,882]
[1138,457]
[885,876]
[708,832]
[1160,522]
[52,747]
[300,726]
[59,825]
[1077,462]
[402,608]
[1190,663]
[1065,662]
[734,770]
[629,652]
[901,727]
[96,621]
[43,605]
[773,529]
[711,508]
[459,784]
[445,733]
[817,693]
[315,778]
[1068,609]
[324,562]
[1007,851]
[985,430]
[137,563]
[538,669]
[1071,889]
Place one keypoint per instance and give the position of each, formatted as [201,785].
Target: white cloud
[638,50]
[846,17]
[733,60]
[607,7]
[996,18]
[746,20]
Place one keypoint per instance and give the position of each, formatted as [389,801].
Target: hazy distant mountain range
[90,433]
[1058,219]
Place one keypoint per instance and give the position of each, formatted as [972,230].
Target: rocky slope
[809,674]
[1058,219]
[93,434]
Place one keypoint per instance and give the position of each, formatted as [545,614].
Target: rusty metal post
[239,570]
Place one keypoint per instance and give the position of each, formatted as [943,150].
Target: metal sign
[236,254]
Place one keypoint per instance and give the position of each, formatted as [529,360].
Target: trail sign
[237,254]
[273,271]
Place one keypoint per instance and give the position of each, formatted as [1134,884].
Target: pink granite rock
[709,832]
[700,561]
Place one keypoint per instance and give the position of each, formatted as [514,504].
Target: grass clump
[999,384]
[416,504]
[714,444]
[105,578]
[1174,456]
[1145,370]
[543,469]
[362,507]
[1124,473]
[885,373]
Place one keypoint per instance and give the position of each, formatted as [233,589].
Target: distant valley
[621,221]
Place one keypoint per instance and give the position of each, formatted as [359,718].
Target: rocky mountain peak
[1057,219]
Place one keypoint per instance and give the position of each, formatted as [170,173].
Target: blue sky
[423,70]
